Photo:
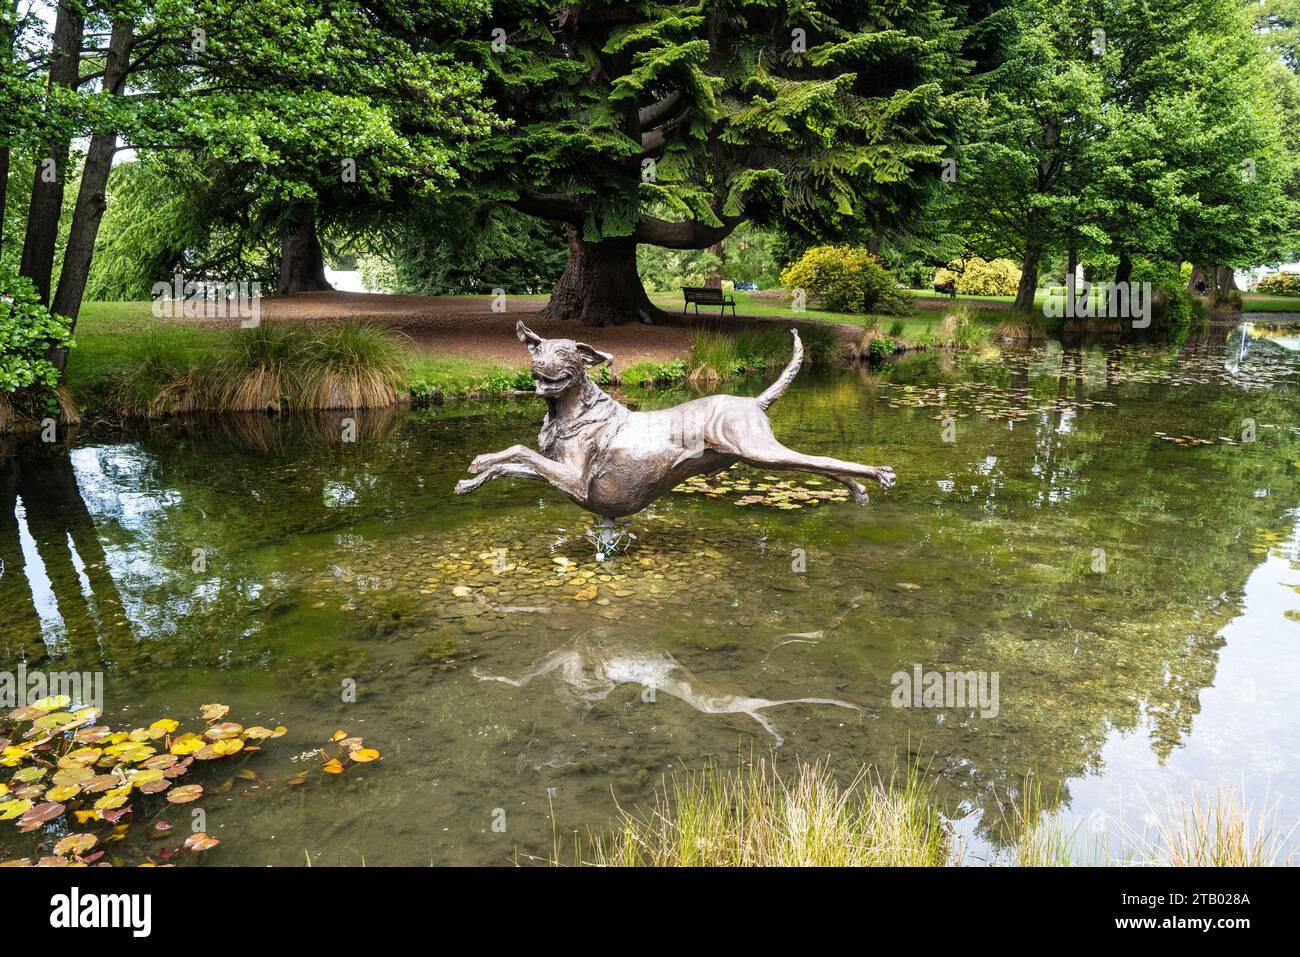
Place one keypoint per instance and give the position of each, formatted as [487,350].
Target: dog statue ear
[527,336]
[592,357]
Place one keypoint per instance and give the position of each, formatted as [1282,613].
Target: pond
[1109,530]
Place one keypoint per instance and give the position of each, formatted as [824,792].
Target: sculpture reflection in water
[593,672]
[614,462]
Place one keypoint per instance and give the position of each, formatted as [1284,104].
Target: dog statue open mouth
[614,462]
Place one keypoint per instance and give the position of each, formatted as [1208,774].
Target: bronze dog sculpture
[614,462]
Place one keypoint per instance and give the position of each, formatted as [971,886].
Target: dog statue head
[559,364]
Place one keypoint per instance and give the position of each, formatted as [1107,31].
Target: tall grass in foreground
[272,367]
[1222,829]
[758,817]
[1216,830]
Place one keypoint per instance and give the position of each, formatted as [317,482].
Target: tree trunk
[600,285]
[91,198]
[47,186]
[1124,269]
[1028,282]
[1224,283]
[714,281]
[4,189]
[302,264]
[6,53]
[1071,280]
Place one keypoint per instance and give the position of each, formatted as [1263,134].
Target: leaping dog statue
[614,462]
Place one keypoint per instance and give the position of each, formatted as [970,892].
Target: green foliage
[981,277]
[447,249]
[712,818]
[882,347]
[320,110]
[27,330]
[961,329]
[1280,284]
[648,372]
[745,129]
[158,223]
[846,279]
[1167,144]
[433,378]
[1171,303]
[746,257]
[668,270]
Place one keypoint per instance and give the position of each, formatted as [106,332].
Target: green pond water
[1134,592]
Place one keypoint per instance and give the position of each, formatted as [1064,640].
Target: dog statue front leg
[500,470]
[488,459]
[534,465]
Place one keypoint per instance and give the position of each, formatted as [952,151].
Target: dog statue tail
[777,388]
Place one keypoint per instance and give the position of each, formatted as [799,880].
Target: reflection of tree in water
[63,561]
[1081,655]
[98,542]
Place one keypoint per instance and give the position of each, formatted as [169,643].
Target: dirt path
[467,326]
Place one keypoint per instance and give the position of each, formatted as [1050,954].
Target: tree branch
[654,114]
[660,232]
[558,207]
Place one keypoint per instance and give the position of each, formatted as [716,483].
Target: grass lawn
[461,375]
[1258,302]
[113,338]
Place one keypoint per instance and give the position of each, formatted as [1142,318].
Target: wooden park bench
[707,296]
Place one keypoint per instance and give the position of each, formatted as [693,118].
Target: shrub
[1280,284]
[1171,304]
[845,279]
[982,277]
[882,348]
[27,329]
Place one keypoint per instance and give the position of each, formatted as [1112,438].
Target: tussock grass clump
[352,366]
[253,370]
[717,356]
[758,817]
[270,368]
[960,328]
